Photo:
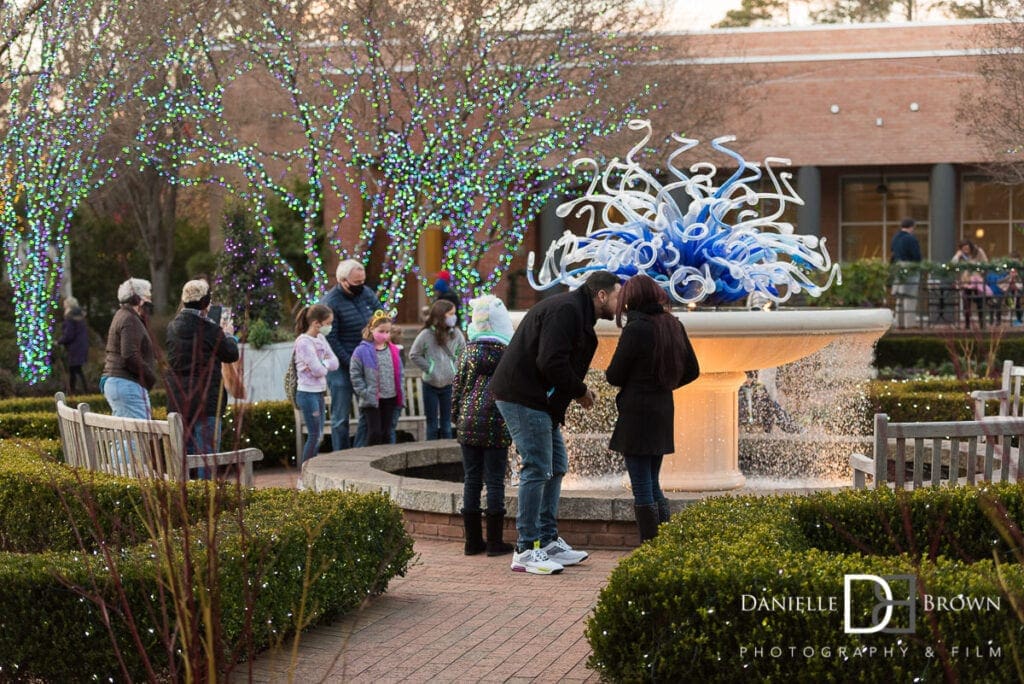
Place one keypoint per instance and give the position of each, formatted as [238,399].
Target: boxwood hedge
[752,589]
[277,551]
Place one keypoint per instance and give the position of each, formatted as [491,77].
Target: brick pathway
[453,618]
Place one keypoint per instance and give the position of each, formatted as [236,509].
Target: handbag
[291,380]
[234,379]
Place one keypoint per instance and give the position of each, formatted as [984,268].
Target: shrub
[680,608]
[931,400]
[283,560]
[266,425]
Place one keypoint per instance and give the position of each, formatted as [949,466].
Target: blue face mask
[325,330]
[449,320]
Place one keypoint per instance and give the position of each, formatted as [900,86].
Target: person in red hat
[443,290]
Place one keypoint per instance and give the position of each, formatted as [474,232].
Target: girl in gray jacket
[436,352]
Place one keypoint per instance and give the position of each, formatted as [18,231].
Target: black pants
[76,372]
[378,420]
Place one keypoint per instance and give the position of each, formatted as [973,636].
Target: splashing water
[823,393]
[716,249]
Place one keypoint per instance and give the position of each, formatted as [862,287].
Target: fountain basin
[591,518]
[728,343]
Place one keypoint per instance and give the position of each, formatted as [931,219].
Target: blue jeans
[203,439]
[394,424]
[339,384]
[437,404]
[545,462]
[127,399]
[311,404]
[643,477]
[484,465]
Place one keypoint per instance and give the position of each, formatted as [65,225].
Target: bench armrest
[243,457]
[989,395]
[862,466]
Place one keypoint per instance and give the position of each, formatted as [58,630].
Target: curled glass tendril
[703,243]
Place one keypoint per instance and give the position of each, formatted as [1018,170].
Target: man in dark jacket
[196,348]
[353,303]
[541,372]
[906,250]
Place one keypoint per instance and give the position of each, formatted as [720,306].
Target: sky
[701,14]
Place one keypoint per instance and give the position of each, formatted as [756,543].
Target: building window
[993,216]
[871,211]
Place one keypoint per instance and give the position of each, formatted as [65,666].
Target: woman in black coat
[653,358]
[75,337]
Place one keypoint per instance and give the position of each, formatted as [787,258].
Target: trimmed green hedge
[702,602]
[909,351]
[51,628]
[931,400]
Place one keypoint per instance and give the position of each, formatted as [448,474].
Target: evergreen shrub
[285,560]
[696,604]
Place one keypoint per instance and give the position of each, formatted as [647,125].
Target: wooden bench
[413,418]
[1008,395]
[138,448]
[981,448]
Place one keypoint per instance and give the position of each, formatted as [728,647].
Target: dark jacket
[905,247]
[549,355]
[196,347]
[644,426]
[477,419]
[75,336]
[351,314]
[129,349]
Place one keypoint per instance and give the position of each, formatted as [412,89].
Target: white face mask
[325,330]
[449,320]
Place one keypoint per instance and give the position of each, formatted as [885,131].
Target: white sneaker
[535,561]
[560,552]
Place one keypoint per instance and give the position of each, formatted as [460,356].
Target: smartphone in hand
[215,312]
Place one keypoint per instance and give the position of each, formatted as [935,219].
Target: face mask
[449,320]
[147,309]
[325,330]
[355,290]
[381,337]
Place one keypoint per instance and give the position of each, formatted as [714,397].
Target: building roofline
[832,27]
[841,56]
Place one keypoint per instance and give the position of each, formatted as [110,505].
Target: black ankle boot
[474,533]
[495,530]
[664,512]
[647,521]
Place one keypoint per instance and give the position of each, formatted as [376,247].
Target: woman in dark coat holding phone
[653,358]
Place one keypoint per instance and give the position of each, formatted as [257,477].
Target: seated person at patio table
[972,283]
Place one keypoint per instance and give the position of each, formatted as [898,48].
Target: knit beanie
[194,293]
[490,320]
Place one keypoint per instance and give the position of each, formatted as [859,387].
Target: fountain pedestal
[727,343]
[707,435]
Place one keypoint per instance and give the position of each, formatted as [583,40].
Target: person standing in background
[482,434]
[129,371]
[436,352]
[906,250]
[75,339]
[314,359]
[196,348]
[352,303]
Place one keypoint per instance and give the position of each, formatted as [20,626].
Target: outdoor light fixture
[979,233]
[878,121]
[914,106]
[834,109]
